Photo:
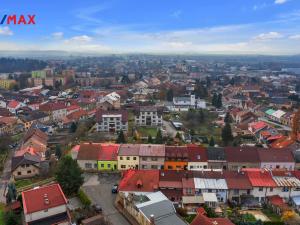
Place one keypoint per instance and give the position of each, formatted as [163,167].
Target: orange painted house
[176,158]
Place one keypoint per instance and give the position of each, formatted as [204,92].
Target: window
[260,189]
[170,167]
[95,166]
[88,165]
[29,171]
[189,191]
[236,191]
[108,165]
[144,158]
[144,167]
[19,173]
[154,167]
[128,158]
[271,189]
[134,158]
[123,166]
[121,158]
[153,158]
[102,165]
[285,189]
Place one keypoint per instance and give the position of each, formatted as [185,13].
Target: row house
[111,121]
[148,116]
[152,156]
[56,110]
[128,156]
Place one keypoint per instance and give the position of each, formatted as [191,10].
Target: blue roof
[296,200]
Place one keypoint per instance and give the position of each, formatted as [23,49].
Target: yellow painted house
[128,156]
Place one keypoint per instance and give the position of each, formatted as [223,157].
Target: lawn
[146,131]
[271,215]
[26,182]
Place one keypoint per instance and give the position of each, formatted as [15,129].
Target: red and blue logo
[18,19]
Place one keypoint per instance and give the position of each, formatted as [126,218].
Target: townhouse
[216,158]
[276,159]
[88,155]
[176,158]
[197,158]
[107,158]
[152,156]
[128,156]
[56,110]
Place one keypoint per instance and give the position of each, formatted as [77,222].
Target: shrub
[84,198]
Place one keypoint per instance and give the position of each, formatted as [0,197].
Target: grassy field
[271,215]
[146,131]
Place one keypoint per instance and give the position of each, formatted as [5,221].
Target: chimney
[152,222]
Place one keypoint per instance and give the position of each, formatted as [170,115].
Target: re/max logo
[18,20]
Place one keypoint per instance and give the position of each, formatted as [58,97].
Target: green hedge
[84,198]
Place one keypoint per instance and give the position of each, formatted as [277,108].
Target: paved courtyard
[98,188]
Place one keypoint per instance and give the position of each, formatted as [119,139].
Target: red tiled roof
[197,153]
[34,199]
[108,152]
[260,178]
[275,155]
[276,200]
[52,106]
[237,180]
[177,152]
[201,219]
[241,154]
[148,180]
[258,125]
[89,151]
[13,104]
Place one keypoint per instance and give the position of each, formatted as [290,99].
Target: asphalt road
[98,188]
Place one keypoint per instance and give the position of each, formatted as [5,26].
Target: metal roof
[202,183]
[287,181]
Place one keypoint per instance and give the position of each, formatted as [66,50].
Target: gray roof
[164,213]
[24,159]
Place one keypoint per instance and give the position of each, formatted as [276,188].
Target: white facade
[112,123]
[197,165]
[186,103]
[45,213]
[278,165]
[148,118]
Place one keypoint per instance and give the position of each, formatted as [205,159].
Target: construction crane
[286,141]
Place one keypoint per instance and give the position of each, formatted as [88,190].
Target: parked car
[114,189]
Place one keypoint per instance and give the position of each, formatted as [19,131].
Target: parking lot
[98,188]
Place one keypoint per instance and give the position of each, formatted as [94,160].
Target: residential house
[148,116]
[45,205]
[197,158]
[153,208]
[107,158]
[110,101]
[128,156]
[152,156]
[25,166]
[202,219]
[8,125]
[111,121]
[242,157]
[56,110]
[33,116]
[14,105]
[276,159]
[262,183]
[238,185]
[216,158]
[176,158]
[88,155]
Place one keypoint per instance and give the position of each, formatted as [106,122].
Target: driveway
[98,188]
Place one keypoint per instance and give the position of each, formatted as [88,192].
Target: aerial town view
[135,112]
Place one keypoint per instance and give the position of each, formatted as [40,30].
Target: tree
[121,138]
[10,218]
[69,175]
[150,140]
[178,136]
[228,118]
[214,100]
[73,127]
[170,95]
[227,136]
[58,152]
[159,137]
[219,101]
[212,141]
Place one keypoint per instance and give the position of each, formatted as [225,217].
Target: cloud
[57,35]
[295,37]
[267,36]
[260,6]
[81,39]
[5,31]
[176,13]
[280,2]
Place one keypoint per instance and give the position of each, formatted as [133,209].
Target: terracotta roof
[152,150]
[108,152]
[140,181]
[237,180]
[52,106]
[13,104]
[201,219]
[176,152]
[276,200]
[197,153]
[260,178]
[34,200]
[275,155]
[174,175]
[241,154]
[89,151]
